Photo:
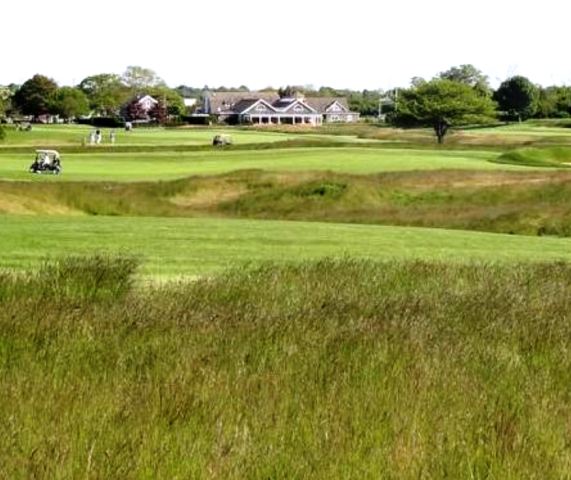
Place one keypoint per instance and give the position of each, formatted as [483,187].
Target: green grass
[74,135]
[169,165]
[534,128]
[322,370]
[200,246]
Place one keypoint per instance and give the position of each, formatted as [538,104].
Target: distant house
[146,102]
[138,108]
[268,108]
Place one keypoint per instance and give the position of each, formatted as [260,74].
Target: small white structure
[147,102]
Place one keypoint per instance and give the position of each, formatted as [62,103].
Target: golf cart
[47,161]
[221,140]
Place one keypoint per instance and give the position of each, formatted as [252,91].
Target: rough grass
[335,369]
[532,203]
[490,136]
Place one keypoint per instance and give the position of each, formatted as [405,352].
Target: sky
[340,43]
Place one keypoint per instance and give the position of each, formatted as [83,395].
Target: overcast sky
[355,44]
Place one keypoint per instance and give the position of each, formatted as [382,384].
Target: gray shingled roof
[237,102]
[226,101]
[321,103]
[244,104]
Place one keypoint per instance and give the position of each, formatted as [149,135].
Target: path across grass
[174,246]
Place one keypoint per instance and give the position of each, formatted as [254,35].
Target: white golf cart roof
[49,152]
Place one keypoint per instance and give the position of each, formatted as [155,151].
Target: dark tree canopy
[442,104]
[289,91]
[135,111]
[518,98]
[70,102]
[159,112]
[35,96]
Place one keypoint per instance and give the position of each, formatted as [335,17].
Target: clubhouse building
[267,108]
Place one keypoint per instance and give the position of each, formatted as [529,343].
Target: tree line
[105,94]
[460,95]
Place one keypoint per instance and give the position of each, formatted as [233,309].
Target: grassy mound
[536,202]
[335,369]
[559,157]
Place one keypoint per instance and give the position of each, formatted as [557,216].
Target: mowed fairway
[74,135]
[170,247]
[135,166]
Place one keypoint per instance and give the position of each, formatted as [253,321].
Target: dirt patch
[209,195]
[497,181]
[425,181]
[13,204]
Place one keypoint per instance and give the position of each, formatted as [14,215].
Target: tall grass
[83,279]
[334,369]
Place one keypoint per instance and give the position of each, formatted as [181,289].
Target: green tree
[289,91]
[554,102]
[139,79]
[106,93]
[469,75]
[5,96]
[442,104]
[70,102]
[365,102]
[35,96]
[518,98]
[169,99]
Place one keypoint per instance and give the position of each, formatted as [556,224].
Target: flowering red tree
[135,111]
[159,112]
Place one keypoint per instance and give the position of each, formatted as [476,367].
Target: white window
[260,108]
[335,118]
[298,108]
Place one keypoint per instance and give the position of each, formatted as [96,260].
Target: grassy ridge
[535,203]
[323,370]
[165,165]
[556,157]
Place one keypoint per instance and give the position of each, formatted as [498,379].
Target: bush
[103,122]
